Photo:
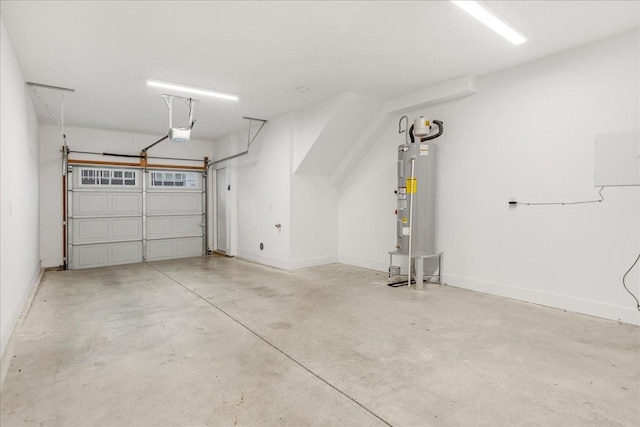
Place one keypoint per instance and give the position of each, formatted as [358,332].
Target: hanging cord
[561,203]
[625,285]
[64,135]
[35,92]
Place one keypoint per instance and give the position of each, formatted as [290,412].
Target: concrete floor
[218,341]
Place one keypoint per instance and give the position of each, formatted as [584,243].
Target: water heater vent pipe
[413,190]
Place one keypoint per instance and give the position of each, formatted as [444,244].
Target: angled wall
[326,131]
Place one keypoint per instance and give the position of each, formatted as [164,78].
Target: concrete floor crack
[273,346]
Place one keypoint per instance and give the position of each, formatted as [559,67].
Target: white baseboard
[364,263]
[261,259]
[578,305]
[285,265]
[312,262]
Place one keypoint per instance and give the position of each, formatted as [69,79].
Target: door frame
[230,167]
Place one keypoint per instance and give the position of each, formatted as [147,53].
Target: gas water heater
[416,192]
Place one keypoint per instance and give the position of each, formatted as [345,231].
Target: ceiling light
[191,89]
[490,20]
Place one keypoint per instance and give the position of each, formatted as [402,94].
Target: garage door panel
[159,226]
[168,203]
[188,225]
[174,226]
[90,256]
[126,253]
[106,204]
[103,230]
[159,203]
[174,248]
[90,204]
[126,228]
[188,247]
[159,249]
[189,203]
[85,230]
[103,254]
[126,204]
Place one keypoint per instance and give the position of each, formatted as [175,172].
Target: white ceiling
[262,51]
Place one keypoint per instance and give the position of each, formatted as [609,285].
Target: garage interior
[222,213]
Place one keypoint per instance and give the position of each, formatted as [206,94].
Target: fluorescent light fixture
[490,20]
[192,89]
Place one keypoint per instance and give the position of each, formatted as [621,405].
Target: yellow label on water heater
[412,185]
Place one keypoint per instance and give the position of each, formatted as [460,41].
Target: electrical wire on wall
[625,285]
[514,202]
[624,277]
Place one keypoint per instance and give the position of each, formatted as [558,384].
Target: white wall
[81,139]
[528,132]
[366,205]
[265,192]
[309,122]
[19,257]
[263,189]
[314,221]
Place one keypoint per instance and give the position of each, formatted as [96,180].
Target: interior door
[221,209]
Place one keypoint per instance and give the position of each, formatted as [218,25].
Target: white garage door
[175,216]
[117,218]
[105,217]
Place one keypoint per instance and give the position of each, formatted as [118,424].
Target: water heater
[416,193]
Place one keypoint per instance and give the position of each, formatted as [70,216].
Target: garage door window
[174,179]
[108,177]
